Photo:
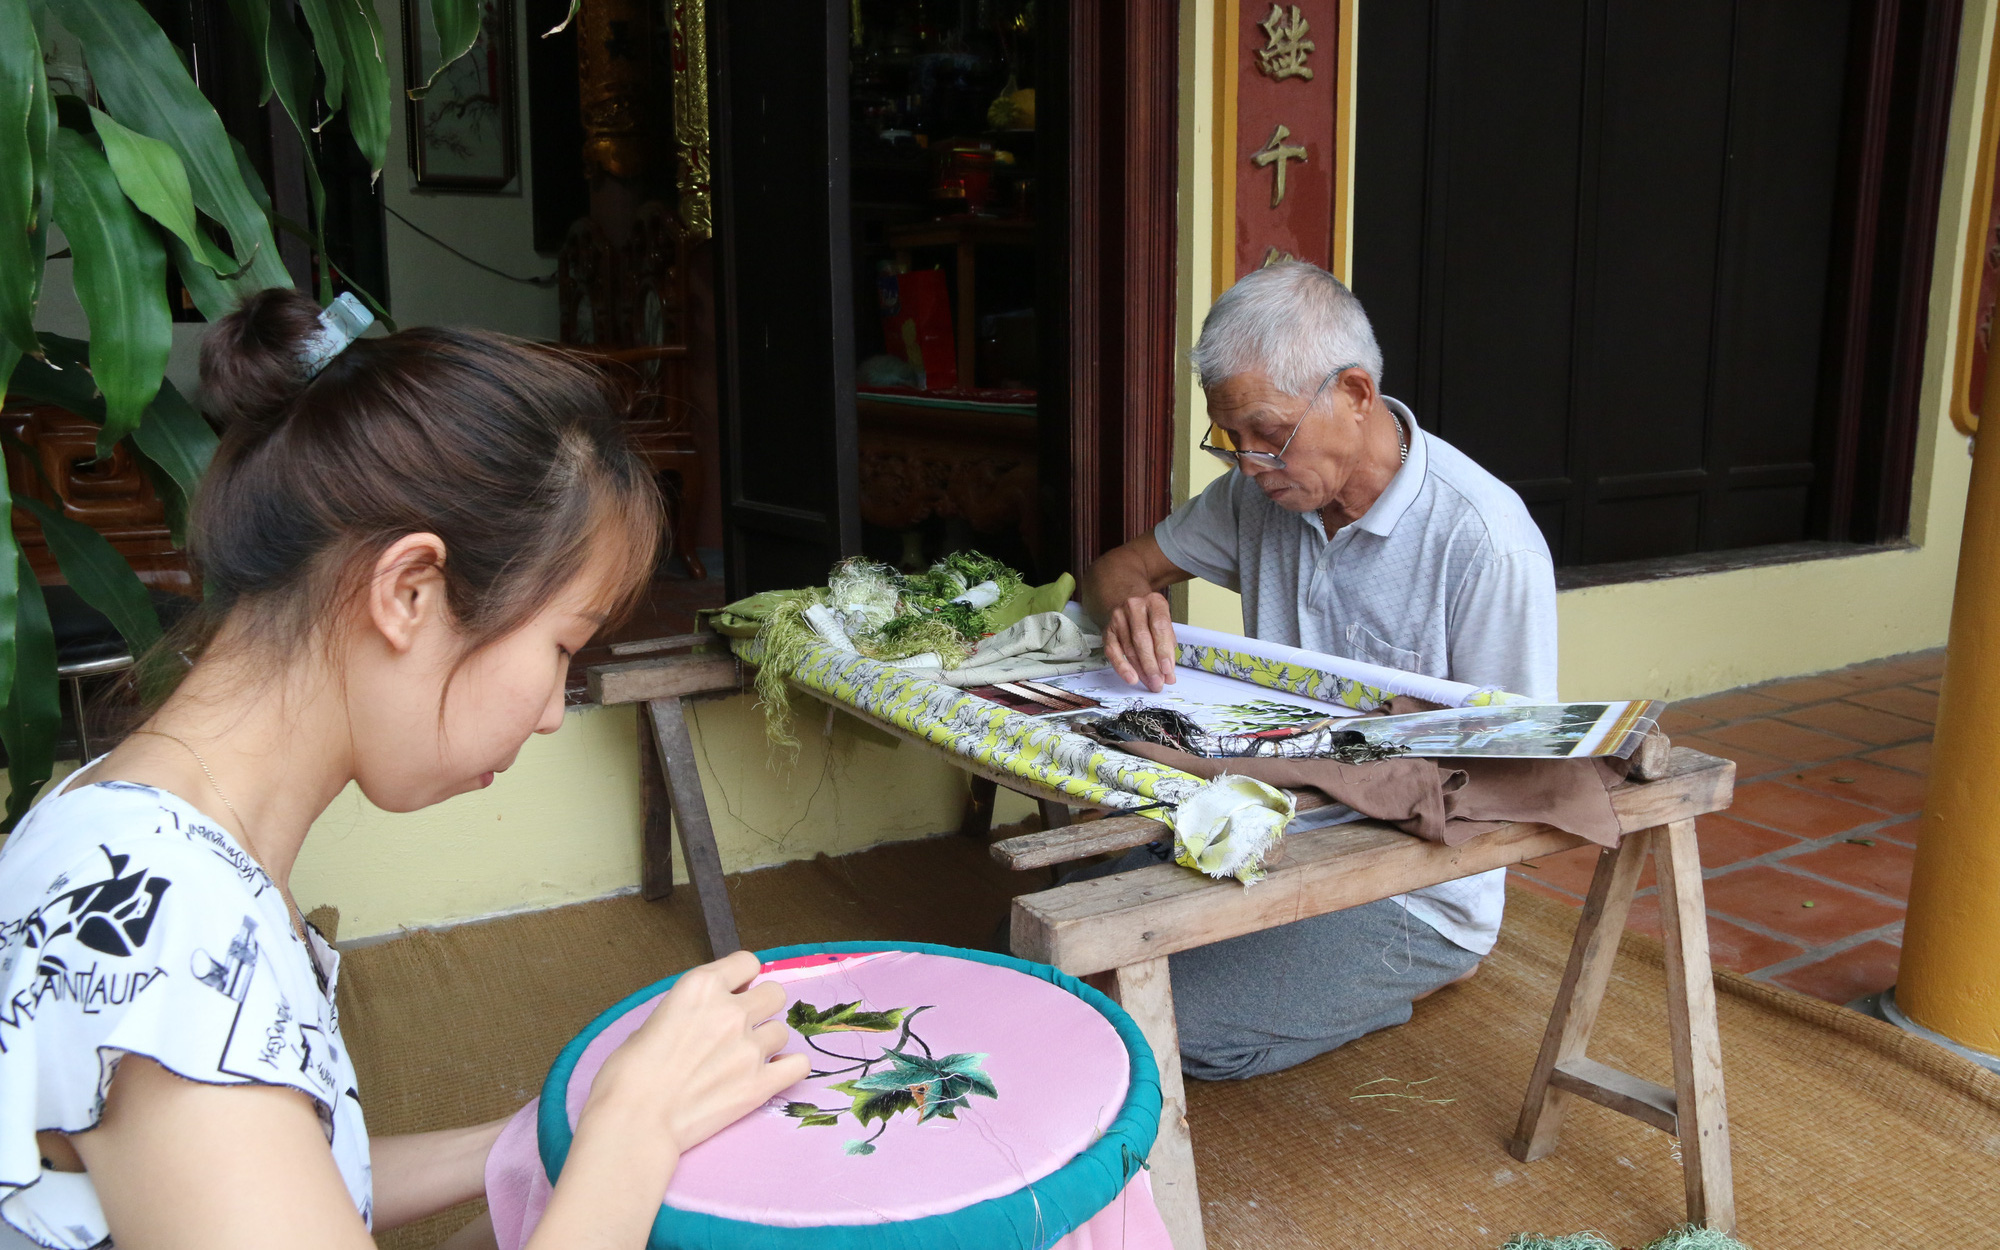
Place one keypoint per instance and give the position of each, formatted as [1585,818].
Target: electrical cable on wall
[544,283]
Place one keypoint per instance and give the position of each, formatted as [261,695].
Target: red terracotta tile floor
[1808,872]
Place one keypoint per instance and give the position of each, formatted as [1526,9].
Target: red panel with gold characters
[1287,84]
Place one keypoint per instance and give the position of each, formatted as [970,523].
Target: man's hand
[1121,591]
[1139,641]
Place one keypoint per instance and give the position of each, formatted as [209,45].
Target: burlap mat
[1847,1133]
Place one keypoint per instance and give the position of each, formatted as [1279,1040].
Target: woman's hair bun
[250,370]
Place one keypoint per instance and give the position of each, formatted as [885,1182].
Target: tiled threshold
[1808,872]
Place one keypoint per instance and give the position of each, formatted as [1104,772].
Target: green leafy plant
[138,174]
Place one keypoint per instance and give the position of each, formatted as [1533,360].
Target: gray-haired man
[1351,532]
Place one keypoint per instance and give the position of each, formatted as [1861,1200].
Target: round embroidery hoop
[1035,1215]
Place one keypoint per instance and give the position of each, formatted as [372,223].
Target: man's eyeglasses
[1221,444]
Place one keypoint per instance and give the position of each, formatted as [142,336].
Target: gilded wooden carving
[611,77]
[690,53]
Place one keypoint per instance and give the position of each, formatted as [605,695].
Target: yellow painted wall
[563,823]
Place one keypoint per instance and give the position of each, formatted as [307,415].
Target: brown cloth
[1439,802]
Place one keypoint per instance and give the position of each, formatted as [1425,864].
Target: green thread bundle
[1686,1237]
[888,616]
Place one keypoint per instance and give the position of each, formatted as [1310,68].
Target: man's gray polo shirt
[1445,575]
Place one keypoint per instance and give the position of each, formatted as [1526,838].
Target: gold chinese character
[1285,44]
[1273,256]
[1277,152]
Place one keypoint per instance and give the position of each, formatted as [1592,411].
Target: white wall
[428,285]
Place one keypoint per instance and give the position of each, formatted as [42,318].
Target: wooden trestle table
[1119,931]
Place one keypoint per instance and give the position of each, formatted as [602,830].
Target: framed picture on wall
[462,133]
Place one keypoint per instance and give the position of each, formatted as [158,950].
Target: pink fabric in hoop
[1056,1069]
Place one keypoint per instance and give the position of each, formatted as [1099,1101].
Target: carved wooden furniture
[625,307]
[965,236]
[52,447]
[976,462]
[56,448]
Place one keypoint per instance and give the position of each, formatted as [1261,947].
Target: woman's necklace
[291,908]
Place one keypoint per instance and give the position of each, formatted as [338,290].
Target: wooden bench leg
[978,819]
[1591,955]
[1054,815]
[1697,1042]
[690,809]
[656,820]
[1694,1110]
[1146,992]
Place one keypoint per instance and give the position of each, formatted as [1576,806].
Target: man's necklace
[291,908]
[1402,438]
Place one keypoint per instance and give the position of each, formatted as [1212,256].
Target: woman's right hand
[703,1059]
[699,1063]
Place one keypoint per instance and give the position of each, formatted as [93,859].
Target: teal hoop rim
[1038,1214]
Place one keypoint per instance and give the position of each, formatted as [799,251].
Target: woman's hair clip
[340,323]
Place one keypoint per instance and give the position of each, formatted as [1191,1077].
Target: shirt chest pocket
[1362,644]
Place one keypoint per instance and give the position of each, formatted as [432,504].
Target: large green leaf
[290,62]
[254,16]
[9,588]
[153,178]
[215,297]
[174,437]
[331,48]
[10,356]
[24,174]
[61,377]
[144,85]
[120,274]
[31,719]
[457,25]
[360,35]
[100,576]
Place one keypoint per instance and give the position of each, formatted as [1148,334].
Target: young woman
[401,552]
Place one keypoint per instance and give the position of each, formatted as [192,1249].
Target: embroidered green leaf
[810,1021]
[936,1087]
[860,1148]
[810,1116]
[875,1103]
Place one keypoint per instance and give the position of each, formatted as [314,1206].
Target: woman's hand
[703,1059]
[699,1063]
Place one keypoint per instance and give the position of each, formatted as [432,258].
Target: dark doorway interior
[1660,268]
[945,257]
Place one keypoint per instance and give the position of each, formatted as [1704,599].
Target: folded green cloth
[745,617]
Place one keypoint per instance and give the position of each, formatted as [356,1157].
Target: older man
[1349,531]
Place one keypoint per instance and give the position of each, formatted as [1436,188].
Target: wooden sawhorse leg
[666,764]
[978,819]
[1146,992]
[1694,1110]
[977,822]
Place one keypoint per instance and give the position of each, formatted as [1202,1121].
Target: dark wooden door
[1107,246]
[1602,244]
[785,331]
